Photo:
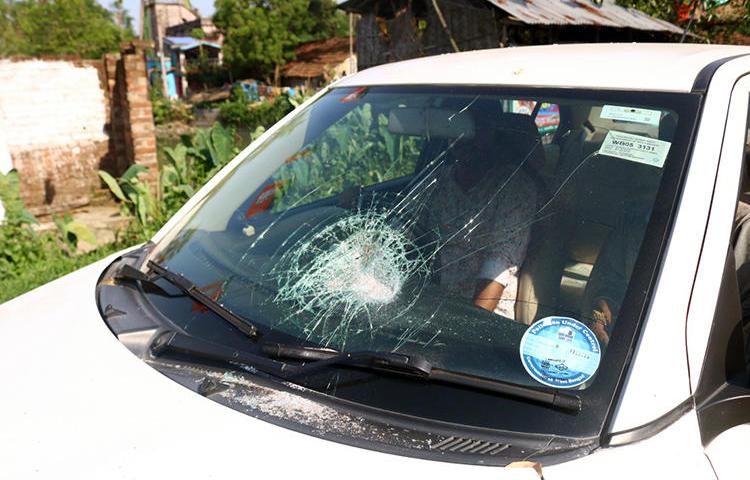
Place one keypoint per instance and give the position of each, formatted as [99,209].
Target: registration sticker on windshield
[631,114]
[635,148]
[560,352]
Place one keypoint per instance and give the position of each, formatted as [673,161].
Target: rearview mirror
[431,123]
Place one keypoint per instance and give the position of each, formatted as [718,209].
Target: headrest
[517,123]
[519,132]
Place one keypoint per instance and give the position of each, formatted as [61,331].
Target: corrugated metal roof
[315,59]
[560,12]
[188,43]
[582,12]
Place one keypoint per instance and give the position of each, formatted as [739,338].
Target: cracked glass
[439,221]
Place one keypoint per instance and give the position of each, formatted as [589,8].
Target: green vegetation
[358,150]
[260,37]
[187,166]
[712,20]
[237,112]
[28,258]
[166,110]
[49,268]
[58,27]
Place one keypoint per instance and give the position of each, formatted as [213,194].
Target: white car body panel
[719,229]
[107,414]
[648,396]
[622,66]
[78,404]
[94,410]
[673,453]
[727,462]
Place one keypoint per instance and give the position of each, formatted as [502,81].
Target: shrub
[166,110]
[27,258]
[135,197]
[187,166]
[19,244]
[237,112]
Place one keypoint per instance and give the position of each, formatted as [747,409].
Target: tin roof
[582,12]
[314,59]
[560,12]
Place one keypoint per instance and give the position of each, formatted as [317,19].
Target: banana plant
[177,178]
[212,147]
[72,231]
[135,195]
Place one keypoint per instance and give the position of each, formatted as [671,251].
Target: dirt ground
[103,221]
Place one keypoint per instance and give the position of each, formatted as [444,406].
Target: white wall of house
[52,119]
[50,103]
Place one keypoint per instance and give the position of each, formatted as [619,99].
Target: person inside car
[483,204]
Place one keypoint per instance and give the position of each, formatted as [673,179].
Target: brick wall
[64,120]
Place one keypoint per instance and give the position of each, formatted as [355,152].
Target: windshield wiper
[410,366]
[191,290]
[415,366]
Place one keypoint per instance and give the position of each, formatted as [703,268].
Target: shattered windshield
[494,232]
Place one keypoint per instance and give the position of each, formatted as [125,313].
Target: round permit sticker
[560,352]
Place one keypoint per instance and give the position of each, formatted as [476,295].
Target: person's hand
[487,294]
[602,316]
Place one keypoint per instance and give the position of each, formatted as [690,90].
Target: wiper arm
[192,291]
[412,366]
[415,366]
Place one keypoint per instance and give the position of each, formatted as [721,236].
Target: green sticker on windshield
[635,148]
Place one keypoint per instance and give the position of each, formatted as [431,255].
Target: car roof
[623,66]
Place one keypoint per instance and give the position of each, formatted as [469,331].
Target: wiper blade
[193,347]
[412,366]
[415,366]
[191,290]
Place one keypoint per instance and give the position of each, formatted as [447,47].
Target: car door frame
[715,348]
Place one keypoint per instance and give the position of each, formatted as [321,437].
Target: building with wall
[93,115]
[156,17]
[180,36]
[402,29]
[319,63]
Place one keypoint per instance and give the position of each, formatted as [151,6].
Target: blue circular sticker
[560,352]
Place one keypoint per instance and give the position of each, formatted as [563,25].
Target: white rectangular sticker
[635,148]
[631,114]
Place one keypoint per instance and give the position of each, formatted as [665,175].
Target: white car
[495,264]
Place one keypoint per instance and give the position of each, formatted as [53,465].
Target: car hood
[76,403]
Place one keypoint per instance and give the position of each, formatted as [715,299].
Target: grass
[49,269]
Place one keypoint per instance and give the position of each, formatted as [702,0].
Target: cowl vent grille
[468,445]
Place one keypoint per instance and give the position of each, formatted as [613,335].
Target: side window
[357,151]
[741,243]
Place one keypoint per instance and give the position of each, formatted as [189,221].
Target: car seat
[586,198]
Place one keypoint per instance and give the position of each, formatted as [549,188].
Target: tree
[60,27]
[260,36]
[664,9]
[123,19]
[9,37]
[714,20]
